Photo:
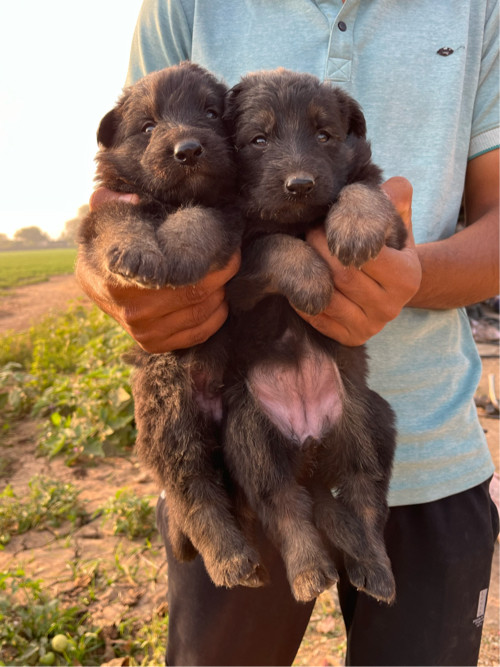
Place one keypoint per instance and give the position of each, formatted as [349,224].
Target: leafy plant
[68,371]
[143,643]
[37,630]
[131,515]
[49,503]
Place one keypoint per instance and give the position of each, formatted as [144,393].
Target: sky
[63,65]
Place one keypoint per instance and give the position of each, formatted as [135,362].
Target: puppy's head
[296,139]
[166,138]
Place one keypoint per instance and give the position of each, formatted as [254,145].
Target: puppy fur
[300,418]
[166,141]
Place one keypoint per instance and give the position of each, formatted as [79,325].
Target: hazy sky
[62,67]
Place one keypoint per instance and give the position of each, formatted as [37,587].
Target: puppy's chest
[303,397]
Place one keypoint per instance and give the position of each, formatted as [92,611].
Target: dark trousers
[441,553]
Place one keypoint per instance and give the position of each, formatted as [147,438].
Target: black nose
[301,184]
[187,151]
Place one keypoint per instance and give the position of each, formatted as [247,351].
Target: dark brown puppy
[300,418]
[166,141]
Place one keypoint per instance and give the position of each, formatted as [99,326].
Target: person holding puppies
[426,77]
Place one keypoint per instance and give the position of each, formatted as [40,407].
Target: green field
[25,267]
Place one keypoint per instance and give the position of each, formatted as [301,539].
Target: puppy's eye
[211,113]
[260,141]
[148,127]
[323,136]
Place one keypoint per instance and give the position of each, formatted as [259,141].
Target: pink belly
[303,400]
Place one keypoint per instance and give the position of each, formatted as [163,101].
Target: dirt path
[41,554]
[26,305]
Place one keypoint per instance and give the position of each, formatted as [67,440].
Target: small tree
[68,235]
[5,242]
[32,237]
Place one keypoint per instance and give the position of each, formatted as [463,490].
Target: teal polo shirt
[426,75]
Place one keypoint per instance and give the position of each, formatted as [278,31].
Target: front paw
[185,267]
[194,240]
[310,290]
[357,224]
[144,266]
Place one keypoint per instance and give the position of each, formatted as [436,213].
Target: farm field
[25,267]
[80,558]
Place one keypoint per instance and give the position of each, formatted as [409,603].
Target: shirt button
[342,26]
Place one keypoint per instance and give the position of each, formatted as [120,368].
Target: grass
[26,267]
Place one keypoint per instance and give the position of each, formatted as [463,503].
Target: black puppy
[166,141]
[308,442]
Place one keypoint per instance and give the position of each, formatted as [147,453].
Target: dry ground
[140,587]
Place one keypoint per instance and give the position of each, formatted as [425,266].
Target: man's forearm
[462,269]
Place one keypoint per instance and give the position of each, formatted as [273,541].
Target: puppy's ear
[108,127]
[231,102]
[352,114]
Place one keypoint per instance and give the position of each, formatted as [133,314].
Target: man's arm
[463,269]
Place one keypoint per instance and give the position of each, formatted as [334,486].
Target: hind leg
[180,446]
[353,527]
[353,518]
[261,462]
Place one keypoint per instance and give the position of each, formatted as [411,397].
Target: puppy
[167,142]
[309,444]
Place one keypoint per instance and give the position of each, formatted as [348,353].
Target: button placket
[340,48]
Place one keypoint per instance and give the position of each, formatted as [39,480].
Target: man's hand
[366,299]
[165,319]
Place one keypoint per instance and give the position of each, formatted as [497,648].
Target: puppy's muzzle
[188,151]
[299,184]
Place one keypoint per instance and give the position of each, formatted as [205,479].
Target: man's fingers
[155,341]
[167,319]
[400,192]
[212,281]
[103,195]
[403,268]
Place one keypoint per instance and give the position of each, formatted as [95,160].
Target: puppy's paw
[241,569]
[186,268]
[310,289]
[307,585]
[374,578]
[194,240]
[358,224]
[144,266]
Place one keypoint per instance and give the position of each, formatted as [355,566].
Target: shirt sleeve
[162,37]
[486,117]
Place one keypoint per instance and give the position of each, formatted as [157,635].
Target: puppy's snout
[299,184]
[187,151]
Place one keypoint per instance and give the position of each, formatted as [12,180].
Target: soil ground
[68,564]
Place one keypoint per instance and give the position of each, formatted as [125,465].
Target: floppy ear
[352,114]
[231,100]
[230,108]
[108,127]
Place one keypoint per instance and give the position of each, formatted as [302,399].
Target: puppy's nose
[187,151]
[300,184]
